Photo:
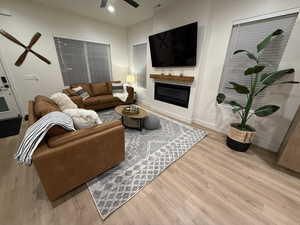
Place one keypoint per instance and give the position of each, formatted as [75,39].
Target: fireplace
[172,93]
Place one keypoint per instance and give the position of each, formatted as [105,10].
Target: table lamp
[130,79]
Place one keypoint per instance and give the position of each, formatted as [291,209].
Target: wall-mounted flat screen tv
[175,48]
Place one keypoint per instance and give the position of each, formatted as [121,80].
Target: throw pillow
[118,88]
[83,118]
[85,86]
[81,92]
[63,101]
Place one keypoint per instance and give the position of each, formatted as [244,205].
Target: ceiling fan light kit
[22,57]
[132,3]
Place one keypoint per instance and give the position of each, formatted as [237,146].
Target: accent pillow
[118,88]
[83,118]
[81,92]
[85,86]
[63,101]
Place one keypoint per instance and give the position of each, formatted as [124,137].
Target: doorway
[10,118]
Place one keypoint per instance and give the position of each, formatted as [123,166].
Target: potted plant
[241,134]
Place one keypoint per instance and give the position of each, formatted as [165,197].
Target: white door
[8,105]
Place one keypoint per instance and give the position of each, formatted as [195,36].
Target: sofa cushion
[97,100]
[56,130]
[85,86]
[70,92]
[99,88]
[108,98]
[44,105]
[40,98]
[109,87]
[92,101]
[63,101]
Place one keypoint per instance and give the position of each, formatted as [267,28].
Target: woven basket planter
[239,140]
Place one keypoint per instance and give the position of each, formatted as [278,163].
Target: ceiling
[124,15]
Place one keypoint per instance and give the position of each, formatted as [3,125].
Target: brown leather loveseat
[67,159]
[100,95]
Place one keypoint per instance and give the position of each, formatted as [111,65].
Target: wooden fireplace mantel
[172,78]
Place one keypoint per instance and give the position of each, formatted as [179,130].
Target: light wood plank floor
[210,185]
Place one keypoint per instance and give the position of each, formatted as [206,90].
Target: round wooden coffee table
[132,120]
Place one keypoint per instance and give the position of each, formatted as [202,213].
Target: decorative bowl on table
[130,110]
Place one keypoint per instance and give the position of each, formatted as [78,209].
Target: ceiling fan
[130,2]
[28,49]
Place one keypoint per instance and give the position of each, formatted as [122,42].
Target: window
[139,64]
[246,36]
[82,61]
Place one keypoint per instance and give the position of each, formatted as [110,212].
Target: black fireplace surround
[172,93]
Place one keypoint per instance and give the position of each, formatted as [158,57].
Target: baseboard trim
[207,125]
[170,114]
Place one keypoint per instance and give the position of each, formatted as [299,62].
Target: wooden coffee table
[132,120]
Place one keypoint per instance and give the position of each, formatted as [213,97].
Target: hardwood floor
[210,185]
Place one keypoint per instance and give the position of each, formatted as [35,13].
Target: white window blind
[139,64]
[246,36]
[82,61]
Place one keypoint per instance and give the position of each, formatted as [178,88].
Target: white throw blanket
[37,131]
[121,96]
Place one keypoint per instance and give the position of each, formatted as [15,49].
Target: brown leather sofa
[100,95]
[67,159]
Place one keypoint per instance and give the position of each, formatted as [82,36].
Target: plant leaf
[272,77]
[233,103]
[220,98]
[263,76]
[268,39]
[249,71]
[266,110]
[240,88]
[255,69]
[236,109]
[249,54]
[259,68]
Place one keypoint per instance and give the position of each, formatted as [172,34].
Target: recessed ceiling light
[111,9]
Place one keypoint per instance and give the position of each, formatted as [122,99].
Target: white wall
[270,130]
[27,19]
[172,16]
[215,20]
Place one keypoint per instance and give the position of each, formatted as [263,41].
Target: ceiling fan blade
[40,57]
[103,3]
[21,59]
[10,37]
[132,3]
[34,39]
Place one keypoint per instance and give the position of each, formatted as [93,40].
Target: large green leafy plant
[259,82]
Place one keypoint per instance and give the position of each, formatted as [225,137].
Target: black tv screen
[175,48]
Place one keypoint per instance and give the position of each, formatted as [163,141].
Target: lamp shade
[130,79]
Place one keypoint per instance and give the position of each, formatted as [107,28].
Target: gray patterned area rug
[147,154]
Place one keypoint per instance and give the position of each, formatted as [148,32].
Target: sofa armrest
[69,92]
[74,162]
[130,98]
[77,100]
[79,134]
